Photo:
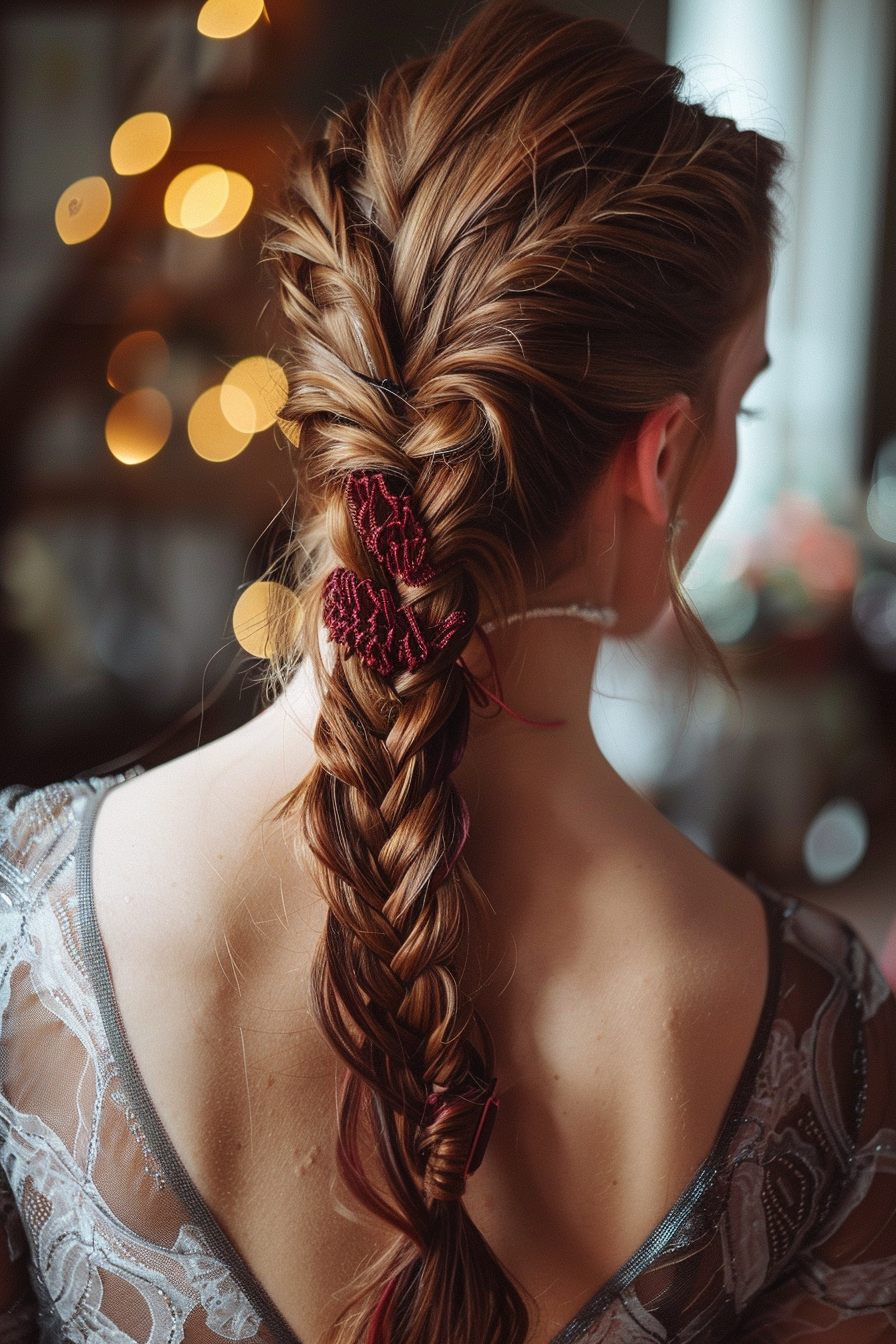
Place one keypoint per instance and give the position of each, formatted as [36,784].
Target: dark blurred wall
[881,417]
[119,581]
[356,42]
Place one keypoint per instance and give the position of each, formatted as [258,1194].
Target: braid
[384,983]
[385,825]
[381,818]
[521,246]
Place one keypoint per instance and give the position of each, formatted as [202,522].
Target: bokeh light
[882,507]
[138,425]
[266,614]
[83,209]
[211,434]
[874,615]
[180,185]
[252,393]
[207,200]
[139,360]
[234,210]
[836,841]
[204,199]
[228,18]
[140,143]
[728,609]
[881,502]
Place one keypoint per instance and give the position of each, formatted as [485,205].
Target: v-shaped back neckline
[177,1176]
[169,1160]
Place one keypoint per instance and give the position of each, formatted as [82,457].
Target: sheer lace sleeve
[120,1248]
[18,1304]
[842,1287]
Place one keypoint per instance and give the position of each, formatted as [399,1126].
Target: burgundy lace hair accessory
[388,527]
[368,620]
[386,637]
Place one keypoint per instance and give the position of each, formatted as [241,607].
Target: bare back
[625,978]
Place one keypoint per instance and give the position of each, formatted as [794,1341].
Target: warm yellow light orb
[204,200]
[252,393]
[138,425]
[83,209]
[140,143]
[239,408]
[180,185]
[207,200]
[212,436]
[233,211]
[228,18]
[137,361]
[266,614]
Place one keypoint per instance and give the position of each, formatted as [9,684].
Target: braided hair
[491,269]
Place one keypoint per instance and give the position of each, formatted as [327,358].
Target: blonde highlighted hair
[534,235]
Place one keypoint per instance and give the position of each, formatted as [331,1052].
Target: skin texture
[623,972]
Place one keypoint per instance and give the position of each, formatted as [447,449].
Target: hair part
[536,234]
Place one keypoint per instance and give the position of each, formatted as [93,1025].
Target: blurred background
[145,484]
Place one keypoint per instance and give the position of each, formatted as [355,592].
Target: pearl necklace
[605,616]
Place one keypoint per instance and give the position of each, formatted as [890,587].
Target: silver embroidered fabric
[114,1254]
[787,1231]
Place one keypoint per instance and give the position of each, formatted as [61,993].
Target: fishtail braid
[535,242]
[381,817]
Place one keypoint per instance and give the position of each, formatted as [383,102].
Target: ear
[652,458]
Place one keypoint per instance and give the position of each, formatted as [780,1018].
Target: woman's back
[589,1164]
[628,1013]
[287,993]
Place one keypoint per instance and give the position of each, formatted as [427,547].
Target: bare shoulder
[709,945]
[722,941]
[209,923]
[724,920]
[207,917]
[635,999]
[178,847]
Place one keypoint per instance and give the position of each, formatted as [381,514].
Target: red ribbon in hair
[368,620]
[481,1095]
[376,1333]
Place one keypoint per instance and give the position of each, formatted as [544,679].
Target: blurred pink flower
[800,538]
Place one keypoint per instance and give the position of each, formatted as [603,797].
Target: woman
[380,1020]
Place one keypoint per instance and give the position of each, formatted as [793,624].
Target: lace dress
[787,1231]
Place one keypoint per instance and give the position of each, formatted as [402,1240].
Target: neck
[546,670]
[512,770]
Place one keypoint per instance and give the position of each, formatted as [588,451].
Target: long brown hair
[534,237]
